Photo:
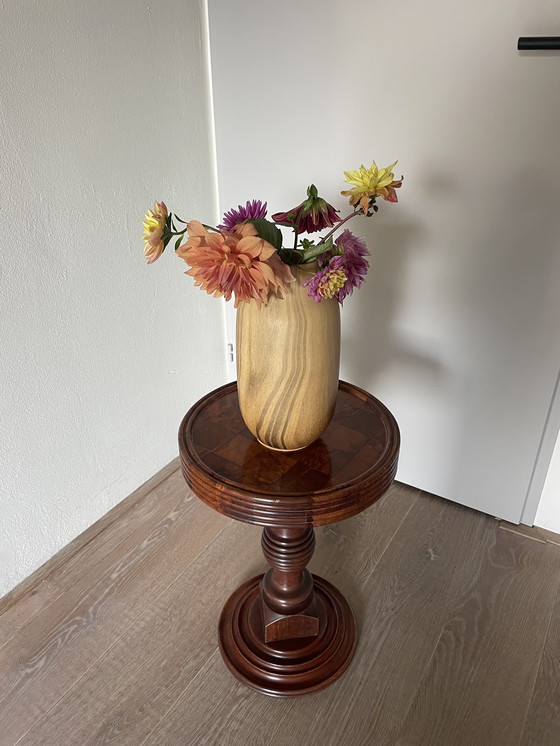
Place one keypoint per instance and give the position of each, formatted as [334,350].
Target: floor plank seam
[538,666]
[429,659]
[180,696]
[413,503]
[46,714]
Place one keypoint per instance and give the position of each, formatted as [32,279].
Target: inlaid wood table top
[350,467]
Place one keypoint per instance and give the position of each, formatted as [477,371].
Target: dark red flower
[312,215]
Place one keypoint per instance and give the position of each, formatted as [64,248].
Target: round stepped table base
[287,632]
[287,668]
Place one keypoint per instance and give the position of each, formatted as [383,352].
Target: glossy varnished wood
[345,471]
[293,666]
[286,633]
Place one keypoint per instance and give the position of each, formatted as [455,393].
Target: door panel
[457,328]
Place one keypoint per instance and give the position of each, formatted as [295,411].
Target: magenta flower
[343,272]
[327,282]
[252,211]
[354,264]
[312,215]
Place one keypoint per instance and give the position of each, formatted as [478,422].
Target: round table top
[343,472]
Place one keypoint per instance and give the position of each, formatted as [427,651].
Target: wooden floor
[114,641]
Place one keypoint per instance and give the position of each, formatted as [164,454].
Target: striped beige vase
[288,355]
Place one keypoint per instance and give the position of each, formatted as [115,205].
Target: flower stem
[338,225]
[296,238]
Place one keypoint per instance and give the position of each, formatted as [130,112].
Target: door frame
[543,459]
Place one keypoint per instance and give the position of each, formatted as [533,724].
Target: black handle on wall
[538,42]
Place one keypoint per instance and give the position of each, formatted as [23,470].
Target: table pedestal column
[287,632]
[288,599]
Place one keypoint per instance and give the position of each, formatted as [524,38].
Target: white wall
[104,107]
[457,328]
[548,514]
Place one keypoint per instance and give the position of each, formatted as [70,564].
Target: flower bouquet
[288,323]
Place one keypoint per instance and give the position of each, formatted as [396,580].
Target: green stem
[296,238]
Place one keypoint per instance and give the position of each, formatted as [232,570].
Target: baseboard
[76,545]
[543,535]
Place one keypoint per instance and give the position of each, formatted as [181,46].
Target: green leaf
[291,256]
[312,252]
[178,242]
[267,230]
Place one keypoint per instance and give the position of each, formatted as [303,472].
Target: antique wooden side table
[287,632]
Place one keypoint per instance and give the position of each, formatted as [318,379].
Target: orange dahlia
[237,263]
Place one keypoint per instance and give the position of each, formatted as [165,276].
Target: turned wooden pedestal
[287,632]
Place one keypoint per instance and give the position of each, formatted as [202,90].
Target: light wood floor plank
[542,724]
[43,662]
[122,697]
[407,599]
[477,687]
[50,580]
[452,612]
[174,655]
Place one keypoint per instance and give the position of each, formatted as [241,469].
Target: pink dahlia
[343,272]
[237,263]
[327,282]
[355,265]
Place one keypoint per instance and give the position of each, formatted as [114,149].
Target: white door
[457,329]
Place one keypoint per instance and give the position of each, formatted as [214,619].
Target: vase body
[288,357]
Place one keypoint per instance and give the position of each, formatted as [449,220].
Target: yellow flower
[332,283]
[154,226]
[371,182]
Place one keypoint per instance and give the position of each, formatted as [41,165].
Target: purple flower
[343,272]
[327,282]
[354,265]
[252,211]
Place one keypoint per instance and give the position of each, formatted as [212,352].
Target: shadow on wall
[464,343]
[372,343]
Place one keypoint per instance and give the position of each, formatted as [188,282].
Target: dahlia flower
[154,227]
[237,263]
[343,272]
[252,211]
[355,266]
[327,282]
[371,182]
[312,215]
